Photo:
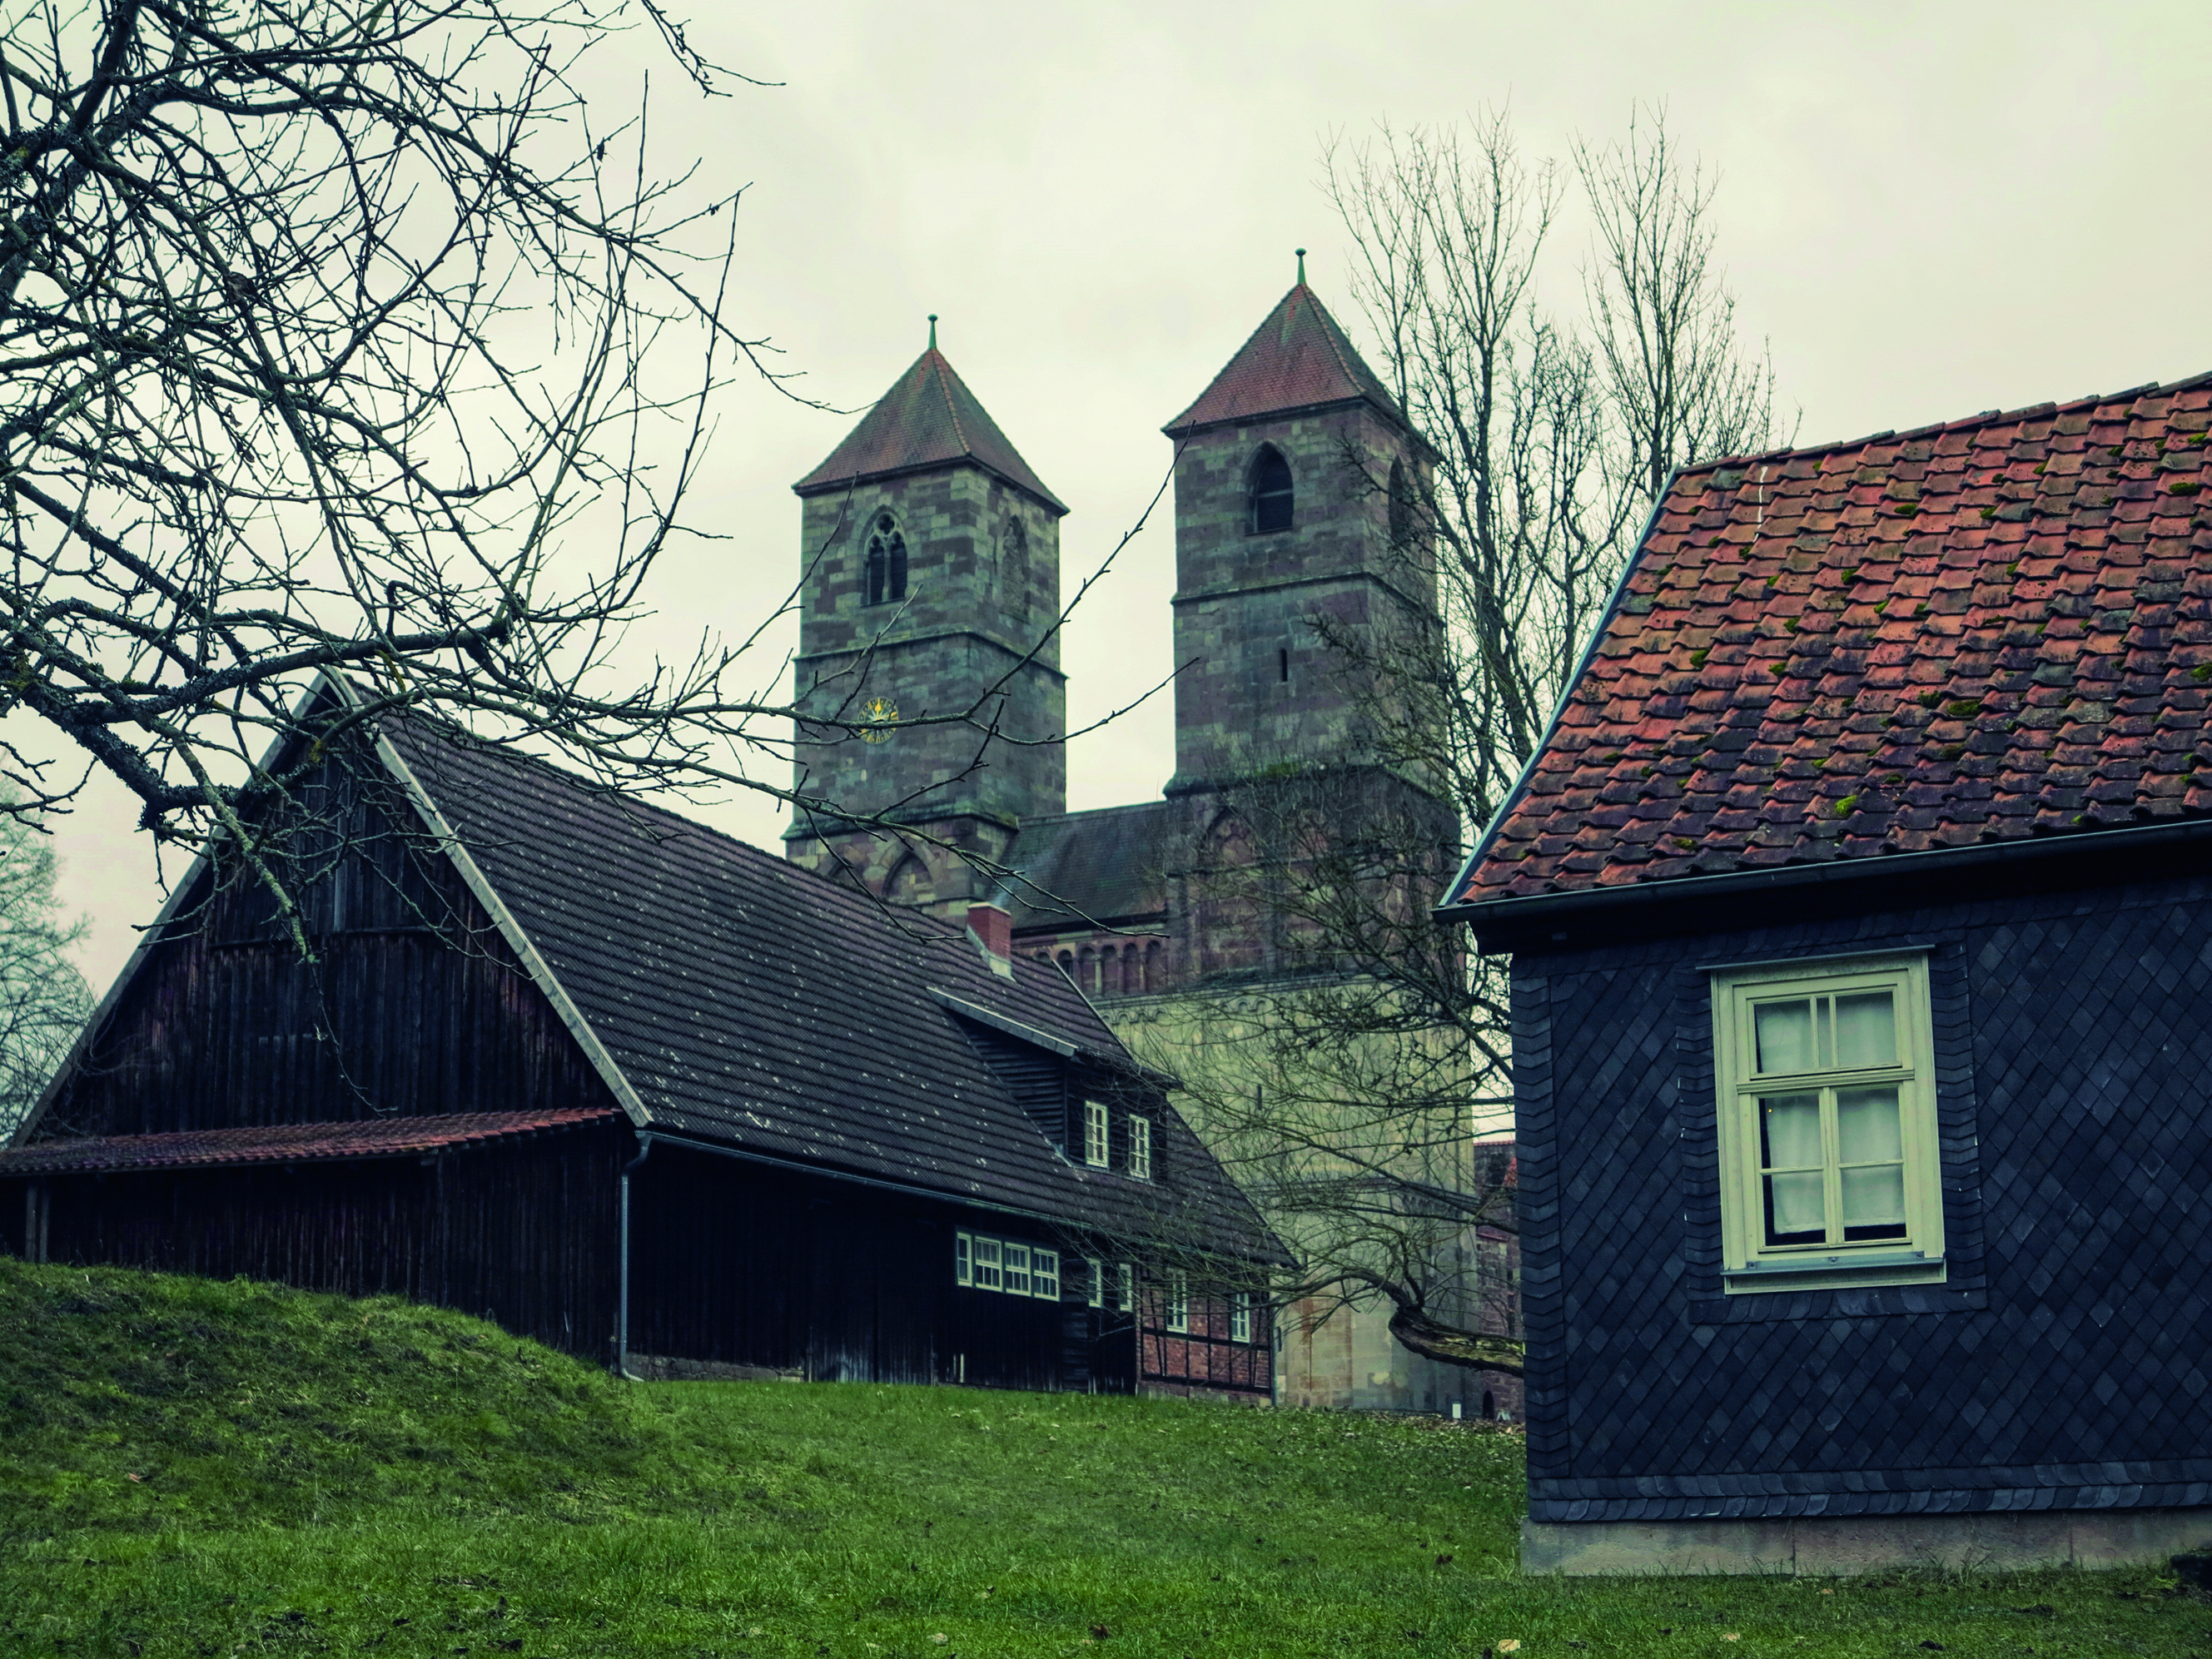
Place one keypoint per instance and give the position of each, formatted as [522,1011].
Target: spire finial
[932,330]
[1302,267]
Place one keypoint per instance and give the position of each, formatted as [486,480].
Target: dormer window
[886,562]
[1271,491]
[1094,1133]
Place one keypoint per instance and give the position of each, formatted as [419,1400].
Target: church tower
[1293,472]
[930,586]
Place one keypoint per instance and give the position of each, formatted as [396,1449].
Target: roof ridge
[1962,423]
[945,379]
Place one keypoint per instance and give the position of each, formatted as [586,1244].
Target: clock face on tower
[881,713]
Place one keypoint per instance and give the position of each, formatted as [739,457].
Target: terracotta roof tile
[1982,631]
[929,419]
[290,1143]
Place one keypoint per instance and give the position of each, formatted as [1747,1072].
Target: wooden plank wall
[413,1008]
[522,1232]
[745,1264]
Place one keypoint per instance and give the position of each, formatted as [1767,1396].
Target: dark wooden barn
[1858,901]
[640,1091]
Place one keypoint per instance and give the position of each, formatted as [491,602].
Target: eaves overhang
[1051,504]
[1503,924]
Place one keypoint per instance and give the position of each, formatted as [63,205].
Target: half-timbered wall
[2063,1364]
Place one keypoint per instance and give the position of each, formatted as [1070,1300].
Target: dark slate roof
[1104,866]
[1297,359]
[929,419]
[290,1143]
[1981,632]
[751,1004]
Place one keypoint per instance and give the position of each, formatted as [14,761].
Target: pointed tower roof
[1299,359]
[928,419]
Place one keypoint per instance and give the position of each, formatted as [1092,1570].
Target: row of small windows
[1108,970]
[983,1263]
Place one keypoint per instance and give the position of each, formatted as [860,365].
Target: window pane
[1795,1211]
[1866,1030]
[1789,1132]
[961,1274]
[1786,1036]
[987,1264]
[1874,1202]
[1018,1269]
[1044,1273]
[1866,1126]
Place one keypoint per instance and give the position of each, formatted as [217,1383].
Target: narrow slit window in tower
[1271,491]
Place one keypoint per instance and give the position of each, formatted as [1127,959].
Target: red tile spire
[928,419]
[1299,359]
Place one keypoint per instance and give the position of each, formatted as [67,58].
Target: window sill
[1844,1271]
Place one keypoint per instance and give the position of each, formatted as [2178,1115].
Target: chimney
[994,929]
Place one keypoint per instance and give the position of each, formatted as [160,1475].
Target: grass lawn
[193,1469]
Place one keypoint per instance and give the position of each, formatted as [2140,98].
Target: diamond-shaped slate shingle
[929,419]
[1298,358]
[1984,631]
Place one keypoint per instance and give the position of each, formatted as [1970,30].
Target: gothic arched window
[886,562]
[1401,505]
[1271,491]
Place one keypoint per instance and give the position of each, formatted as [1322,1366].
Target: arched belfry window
[1271,491]
[886,562]
[1401,505]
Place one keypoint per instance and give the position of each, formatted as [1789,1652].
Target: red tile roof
[929,419]
[288,1143]
[1297,359]
[1977,632]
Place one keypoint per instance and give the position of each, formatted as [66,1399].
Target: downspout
[622,1273]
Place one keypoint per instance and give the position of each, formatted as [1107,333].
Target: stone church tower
[930,586]
[932,568]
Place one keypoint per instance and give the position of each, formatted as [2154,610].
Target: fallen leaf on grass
[1731,1636]
[1511,1644]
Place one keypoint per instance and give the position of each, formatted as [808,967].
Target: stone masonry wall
[982,587]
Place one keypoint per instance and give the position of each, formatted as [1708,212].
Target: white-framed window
[1094,1286]
[1044,1273]
[986,1264]
[1125,1287]
[1094,1133]
[1178,1300]
[963,1259]
[1240,1316]
[1140,1147]
[1830,1171]
[1014,1263]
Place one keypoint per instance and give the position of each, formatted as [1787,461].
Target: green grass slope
[193,1469]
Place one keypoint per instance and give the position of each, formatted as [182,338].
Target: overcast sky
[1925,211]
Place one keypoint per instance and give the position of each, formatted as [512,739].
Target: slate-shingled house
[560,1046]
[1858,900]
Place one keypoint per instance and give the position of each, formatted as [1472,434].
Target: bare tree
[1354,1075]
[355,339]
[43,998]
